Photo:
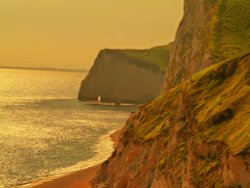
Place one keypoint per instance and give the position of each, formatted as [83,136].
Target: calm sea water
[45,131]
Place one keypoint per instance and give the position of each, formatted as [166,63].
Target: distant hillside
[126,76]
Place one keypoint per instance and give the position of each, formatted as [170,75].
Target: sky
[69,33]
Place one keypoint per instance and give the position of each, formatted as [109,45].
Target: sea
[45,131]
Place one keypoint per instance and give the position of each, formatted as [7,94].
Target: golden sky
[69,33]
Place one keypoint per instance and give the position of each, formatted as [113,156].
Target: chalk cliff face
[126,76]
[210,32]
[194,135]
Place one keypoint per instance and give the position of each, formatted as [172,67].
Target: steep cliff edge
[126,76]
[210,32]
[194,135]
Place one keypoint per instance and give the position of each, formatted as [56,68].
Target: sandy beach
[77,179]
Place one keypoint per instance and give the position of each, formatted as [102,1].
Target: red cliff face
[194,135]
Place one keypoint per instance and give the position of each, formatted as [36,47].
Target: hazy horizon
[68,35]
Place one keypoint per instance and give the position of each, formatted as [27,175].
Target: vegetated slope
[210,32]
[194,135]
[154,58]
[126,76]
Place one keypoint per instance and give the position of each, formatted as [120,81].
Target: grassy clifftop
[211,31]
[196,134]
[155,58]
[218,99]
[231,28]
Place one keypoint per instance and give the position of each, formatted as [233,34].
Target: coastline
[97,103]
[76,179]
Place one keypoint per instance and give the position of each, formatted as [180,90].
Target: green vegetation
[231,29]
[196,127]
[218,99]
[199,120]
[222,97]
[202,168]
[155,58]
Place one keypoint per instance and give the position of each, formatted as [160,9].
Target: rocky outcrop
[210,32]
[126,76]
[194,135]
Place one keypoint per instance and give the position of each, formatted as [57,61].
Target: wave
[103,150]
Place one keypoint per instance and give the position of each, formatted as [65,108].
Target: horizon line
[44,69]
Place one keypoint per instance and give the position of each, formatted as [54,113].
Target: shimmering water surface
[45,131]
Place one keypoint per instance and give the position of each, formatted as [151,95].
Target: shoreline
[97,103]
[76,179]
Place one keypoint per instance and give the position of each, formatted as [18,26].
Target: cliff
[194,135]
[126,76]
[210,32]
